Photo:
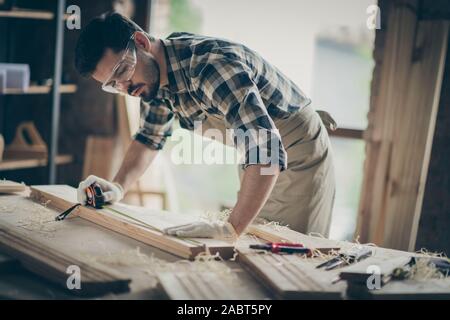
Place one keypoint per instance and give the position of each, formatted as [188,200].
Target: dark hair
[110,30]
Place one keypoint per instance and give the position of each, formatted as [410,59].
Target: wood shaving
[39,219]
[423,271]
[152,265]
[217,215]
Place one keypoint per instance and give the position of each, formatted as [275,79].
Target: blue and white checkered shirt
[215,77]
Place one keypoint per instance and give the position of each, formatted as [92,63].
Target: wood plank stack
[401,126]
[53,264]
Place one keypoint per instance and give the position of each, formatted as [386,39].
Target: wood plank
[211,280]
[292,276]
[53,264]
[15,164]
[27,14]
[435,289]
[280,234]
[11,187]
[198,286]
[63,197]
[402,118]
[65,88]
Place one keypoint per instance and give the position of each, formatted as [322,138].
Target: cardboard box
[17,75]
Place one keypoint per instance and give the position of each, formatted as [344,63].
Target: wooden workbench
[155,274]
[80,238]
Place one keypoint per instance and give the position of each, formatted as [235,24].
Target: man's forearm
[137,159]
[255,190]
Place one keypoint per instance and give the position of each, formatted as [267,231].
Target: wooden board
[292,276]
[405,98]
[281,234]
[32,90]
[193,286]
[11,187]
[53,264]
[27,14]
[417,290]
[63,197]
[212,280]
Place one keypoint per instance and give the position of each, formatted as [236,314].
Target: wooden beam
[401,122]
[65,88]
[148,231]
[27,14]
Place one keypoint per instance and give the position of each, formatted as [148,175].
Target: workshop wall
[88,111]
[435,219]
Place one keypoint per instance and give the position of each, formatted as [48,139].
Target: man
[287,175]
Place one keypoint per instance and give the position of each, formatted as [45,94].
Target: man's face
[145,80]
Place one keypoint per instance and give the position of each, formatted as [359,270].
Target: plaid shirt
[215,77]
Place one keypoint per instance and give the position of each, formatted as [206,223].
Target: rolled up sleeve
[155,124]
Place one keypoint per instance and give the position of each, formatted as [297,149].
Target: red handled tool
[290,248]
[94,198]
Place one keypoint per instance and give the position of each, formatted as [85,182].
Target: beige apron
[303,195]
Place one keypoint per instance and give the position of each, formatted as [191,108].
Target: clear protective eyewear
[123,70]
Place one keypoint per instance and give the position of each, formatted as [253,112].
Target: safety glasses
[123,71]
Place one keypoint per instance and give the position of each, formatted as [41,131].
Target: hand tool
[352,256]
[402,273]
[94,198]
[290,248]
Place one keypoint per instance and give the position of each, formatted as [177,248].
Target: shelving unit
[57,17]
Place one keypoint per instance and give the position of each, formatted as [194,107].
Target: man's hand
[216,230]
[113,192]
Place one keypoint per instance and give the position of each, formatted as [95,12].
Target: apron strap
[327,120]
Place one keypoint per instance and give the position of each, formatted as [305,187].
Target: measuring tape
[96,199]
